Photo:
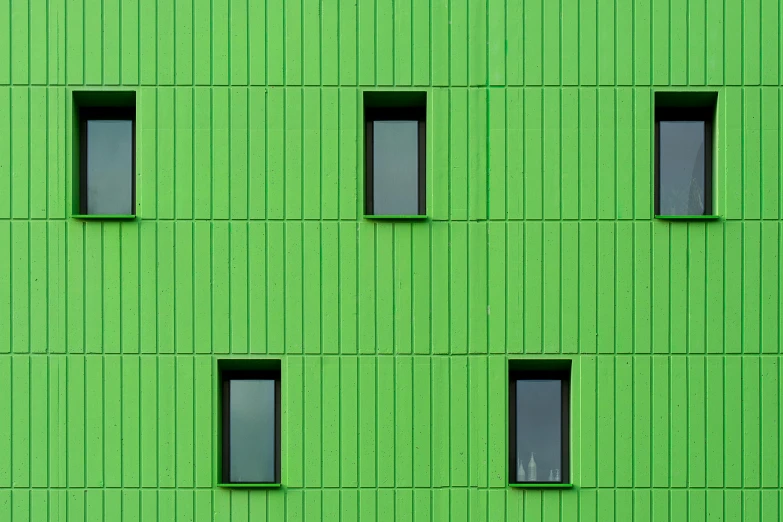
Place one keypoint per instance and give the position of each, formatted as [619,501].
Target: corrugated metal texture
[293,287]
[252,153]
[130,437]
[386,42]
[394,336]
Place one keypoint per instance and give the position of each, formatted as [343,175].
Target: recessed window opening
[538,425]
[683,160]
[395,158]
[107,160]
[250,427]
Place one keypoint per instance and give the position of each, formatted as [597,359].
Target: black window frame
[226,376]
[564,376]
[104,113]
[413,113]
[702,113]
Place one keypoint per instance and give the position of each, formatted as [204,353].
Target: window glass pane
[395,167]
[539,448]
[109,167]
[252,430]
[682,174]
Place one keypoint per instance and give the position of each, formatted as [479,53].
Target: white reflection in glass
[539,409]
[252,430]
[682,175]
[109,167]
[395,167]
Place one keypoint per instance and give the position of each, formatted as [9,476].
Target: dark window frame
[372,114]
[103,113]
[564,376]
[226,376]
[705,114]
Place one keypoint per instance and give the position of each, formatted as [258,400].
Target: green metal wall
[394,337]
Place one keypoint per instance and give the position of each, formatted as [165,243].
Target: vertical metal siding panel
[390,267]
[678,423]
[533,46]
[311,171]
[366,43]
[19,156]
[421,290]
[733,285]
[311,425]
[588,146]
[402,49]
[35,395]
[770,422]
[496,138]
[422,421]
[384,42]
[330,418]
[36,292]
[715,441]
[329,134]
[330,43]
[496,287]
[769,138]
[292,445]
[496,42]
[385,421]
[769,288]
[715,42]
[734,38]
[349,422]
[551,158]
[643,153]
[112,421]
[589,421]
[751,422]
[569,286]
[642,422]
[752,201]
[715,290]
[607,182]
[478,422]
[19,48]
[551,299]
[731,133]
[237,45]
[221,287]
[697,422]
[605,423]
[458,16]
[219,32]
[477,288]
[770,52]
[624,291]
[438,158]
[239,287]
[606,51]
[477,153]
[458,158]
[440,293]
[625,171]
[292,184]
[167,415]
[165,38]
[732,422]
[367,432]
[606,275]
[533,287]
[678,291]
[184,424]
[625,42]
[678,43]
[588,255]
[37,141]
[148,376]
[623,425]
[532,149]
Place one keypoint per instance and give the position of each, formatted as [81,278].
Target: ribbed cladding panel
[87,430]
[384,43]
[394,337]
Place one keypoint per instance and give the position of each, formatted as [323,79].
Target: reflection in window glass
[395,167]
[110,167]
[682,172]
[539,426]
[252,430]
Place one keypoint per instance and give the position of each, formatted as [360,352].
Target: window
[538,426]
[107,161]
[683,161]
[395,155]
[250,427]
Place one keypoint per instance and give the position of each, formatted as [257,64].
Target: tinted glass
[682,176]
[109,167]
[395,167]
[539,446]
[252,430]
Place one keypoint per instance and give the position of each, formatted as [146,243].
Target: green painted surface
[394,336]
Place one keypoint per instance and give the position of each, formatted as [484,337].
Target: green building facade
[395,338]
